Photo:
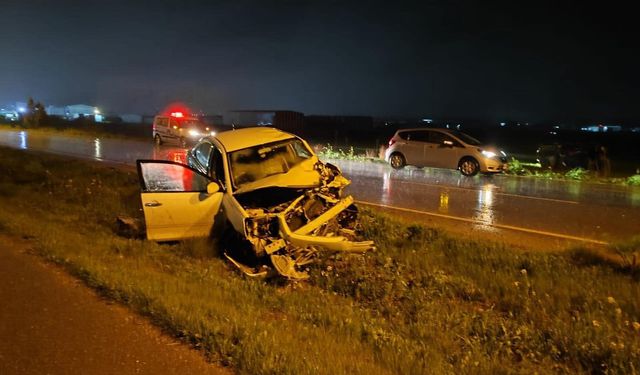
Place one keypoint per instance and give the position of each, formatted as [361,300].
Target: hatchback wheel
[397,161]
[469,167]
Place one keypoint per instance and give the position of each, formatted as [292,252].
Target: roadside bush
[577,174]
[329,152]
[516,167]
[634,180]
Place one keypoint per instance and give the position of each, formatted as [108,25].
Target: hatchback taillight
[391,142]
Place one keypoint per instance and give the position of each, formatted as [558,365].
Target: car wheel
[183,142]
[469,167]
[157,140]
[397,161]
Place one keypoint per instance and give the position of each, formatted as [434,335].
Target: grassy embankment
[87,129]
[580,174]
[425,302]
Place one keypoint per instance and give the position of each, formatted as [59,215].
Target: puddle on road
[484,212]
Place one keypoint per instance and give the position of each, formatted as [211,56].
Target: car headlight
[213,134]
[194,133]
[488,154]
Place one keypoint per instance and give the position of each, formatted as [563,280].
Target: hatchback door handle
[153,204]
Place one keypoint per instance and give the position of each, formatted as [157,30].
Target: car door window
[440,138]
[301,150]
[454,141]
[203,153]
[437,137]
[162,122]
[217,166]
[167,176]
[418,136]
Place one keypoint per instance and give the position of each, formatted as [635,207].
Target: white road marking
[478,222]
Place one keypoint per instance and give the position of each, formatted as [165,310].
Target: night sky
[538,61]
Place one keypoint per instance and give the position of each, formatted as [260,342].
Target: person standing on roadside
[604,164]
[592,156]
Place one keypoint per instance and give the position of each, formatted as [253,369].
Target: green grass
[424,302]
[86,129]
[634,180]
[329,152]
[518,168]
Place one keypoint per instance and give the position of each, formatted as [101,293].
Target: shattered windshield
[255,163]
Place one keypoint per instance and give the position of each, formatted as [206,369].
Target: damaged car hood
[303,175]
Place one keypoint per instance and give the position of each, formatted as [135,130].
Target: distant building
[75,111]
[284,120]
[396,123]
[212,120]
[131,118]
[601,128]
[9,113]
[316,122]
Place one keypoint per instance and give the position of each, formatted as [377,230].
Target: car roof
[234,140]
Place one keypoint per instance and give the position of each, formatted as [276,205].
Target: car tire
[397,161]
[157,140]
[469,167]
[183,142]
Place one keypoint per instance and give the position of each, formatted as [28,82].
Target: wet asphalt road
[556,209]
[52,324]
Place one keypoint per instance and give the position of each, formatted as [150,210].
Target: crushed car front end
[288,217]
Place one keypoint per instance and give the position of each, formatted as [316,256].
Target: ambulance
[179,128]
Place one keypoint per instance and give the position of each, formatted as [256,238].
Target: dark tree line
[34,114]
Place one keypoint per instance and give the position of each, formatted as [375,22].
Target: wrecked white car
[263,191]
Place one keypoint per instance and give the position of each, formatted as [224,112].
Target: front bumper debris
[291,235]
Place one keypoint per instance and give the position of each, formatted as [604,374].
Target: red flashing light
[176,110]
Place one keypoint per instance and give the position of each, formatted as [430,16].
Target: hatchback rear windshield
[403,135]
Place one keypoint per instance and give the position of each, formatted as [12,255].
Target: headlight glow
[194,133]
[213,134]
[488,154]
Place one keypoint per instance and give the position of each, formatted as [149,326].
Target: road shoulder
[54,324]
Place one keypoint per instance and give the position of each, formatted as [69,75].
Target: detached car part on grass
[279,205]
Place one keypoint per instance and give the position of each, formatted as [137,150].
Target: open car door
[178,201]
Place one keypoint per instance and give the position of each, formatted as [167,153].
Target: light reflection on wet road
[593,211]
[571,208]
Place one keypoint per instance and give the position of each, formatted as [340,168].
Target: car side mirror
[213,188]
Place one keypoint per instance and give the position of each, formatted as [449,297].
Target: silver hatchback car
[443,148]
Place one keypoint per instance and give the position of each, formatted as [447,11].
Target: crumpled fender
[336,243]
